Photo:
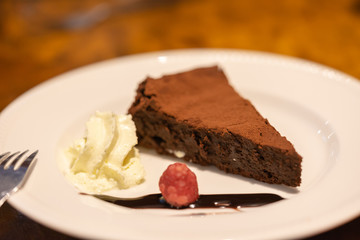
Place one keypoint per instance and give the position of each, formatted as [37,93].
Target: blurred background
[40,39]
[43,38]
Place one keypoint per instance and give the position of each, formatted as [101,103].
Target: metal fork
[13,172]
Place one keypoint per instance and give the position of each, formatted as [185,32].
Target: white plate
[316,107]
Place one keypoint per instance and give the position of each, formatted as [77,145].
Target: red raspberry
[178,185]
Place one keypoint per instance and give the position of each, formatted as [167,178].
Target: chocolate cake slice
[198,116]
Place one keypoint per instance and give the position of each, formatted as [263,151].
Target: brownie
[198,114]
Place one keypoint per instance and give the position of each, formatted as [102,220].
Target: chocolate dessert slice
[196,115]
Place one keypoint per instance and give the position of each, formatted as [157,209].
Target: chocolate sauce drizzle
[234,201]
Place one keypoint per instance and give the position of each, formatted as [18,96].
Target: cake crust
[199,113]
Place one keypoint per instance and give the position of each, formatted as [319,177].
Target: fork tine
[7,161]
[18,160]
[29,159]
[4,156]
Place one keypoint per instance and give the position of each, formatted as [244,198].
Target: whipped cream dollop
[106,158]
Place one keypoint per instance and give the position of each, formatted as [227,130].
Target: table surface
[41,39]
